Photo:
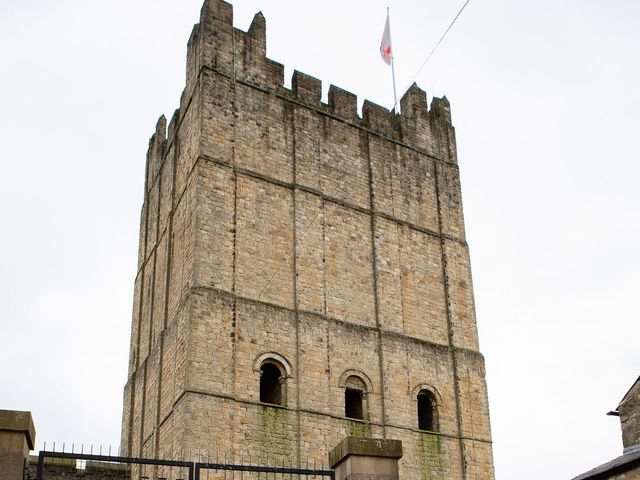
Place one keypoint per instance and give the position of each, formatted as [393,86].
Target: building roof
[617,465]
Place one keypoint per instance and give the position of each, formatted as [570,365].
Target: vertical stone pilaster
[17,437]
[356,458]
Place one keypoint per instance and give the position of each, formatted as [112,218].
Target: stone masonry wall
[59,469]
[629,410]
[274,223]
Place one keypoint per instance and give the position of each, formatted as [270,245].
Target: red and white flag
[385,44]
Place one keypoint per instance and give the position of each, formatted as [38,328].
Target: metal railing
[77,465]
[270,472]
[82,459]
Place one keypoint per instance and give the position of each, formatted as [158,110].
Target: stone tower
[303,272]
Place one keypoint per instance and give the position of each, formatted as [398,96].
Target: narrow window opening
[353,404]
[427,417]
[270,384]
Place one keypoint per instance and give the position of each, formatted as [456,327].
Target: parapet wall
[241,56]
[215,43]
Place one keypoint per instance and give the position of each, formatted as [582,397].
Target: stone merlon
[241,56]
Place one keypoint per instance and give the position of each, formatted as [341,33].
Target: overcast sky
[546,102]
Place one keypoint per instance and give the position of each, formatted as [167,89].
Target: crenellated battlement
[216,44]
[156,150]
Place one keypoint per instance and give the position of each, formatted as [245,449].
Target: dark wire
[435,47]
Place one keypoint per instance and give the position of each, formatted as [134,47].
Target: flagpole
[393,70]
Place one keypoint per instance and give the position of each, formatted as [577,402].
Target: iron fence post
[40,469]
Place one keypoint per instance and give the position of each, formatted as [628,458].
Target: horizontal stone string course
[313,412]
[303,272]
[315,192]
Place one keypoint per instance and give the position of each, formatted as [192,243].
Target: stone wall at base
[58,469]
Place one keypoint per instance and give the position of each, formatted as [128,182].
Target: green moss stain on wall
[430,454]
[359,429]
[274,427]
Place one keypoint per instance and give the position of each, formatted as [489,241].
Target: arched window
[427,411]
[274,370]
[271,382]
[354,398]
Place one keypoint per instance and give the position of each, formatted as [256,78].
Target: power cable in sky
[435,47]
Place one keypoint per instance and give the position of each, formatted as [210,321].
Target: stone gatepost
[17,437]
[356,458]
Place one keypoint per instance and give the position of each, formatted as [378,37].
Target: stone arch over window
[356,386]
[427,406]
[274,370]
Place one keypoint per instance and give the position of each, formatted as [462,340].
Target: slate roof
[617,465]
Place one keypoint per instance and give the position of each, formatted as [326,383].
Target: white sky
[546,104]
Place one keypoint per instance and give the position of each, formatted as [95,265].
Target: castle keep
[303,273]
